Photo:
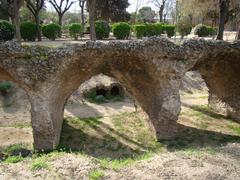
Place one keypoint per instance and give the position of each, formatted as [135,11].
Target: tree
[224,15]
[160,4]
[134,14]
[35,6]
[91,8]
[11,9]
[82,5]
[60,8]
[146,15]
[114,10]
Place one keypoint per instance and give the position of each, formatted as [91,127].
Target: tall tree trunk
[60,16]
[92,5]
[224,7]
[16,20]
[161,15]
[82,18]
[161,10]
[238,35]
[37,19]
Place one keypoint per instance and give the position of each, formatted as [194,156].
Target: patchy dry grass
[39,163]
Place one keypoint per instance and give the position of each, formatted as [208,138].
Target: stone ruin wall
[151,70]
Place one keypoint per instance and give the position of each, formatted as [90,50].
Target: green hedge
[170,30]
[153,30]
[102,29]
[121,30]
[51,31]
[75,30]
[140,30]
[28,31]
[5,86]
[204,31]
[7,31]
[157,29]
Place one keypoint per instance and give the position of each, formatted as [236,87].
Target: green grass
[39,163]
[234,128]
[10,149]
[100,99]
[120,163]
[96,175]
[13,159]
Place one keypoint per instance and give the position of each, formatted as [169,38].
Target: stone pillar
[164,115]
[47,118]
[229,108]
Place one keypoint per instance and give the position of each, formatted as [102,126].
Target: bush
[51,31]
[201,30]
[140,30]
[28,31]
[170,30]
[153,30]
[121,30]
[184,28]
[212,31]
[5,86]
[102,29]
[6,31]
[75,30]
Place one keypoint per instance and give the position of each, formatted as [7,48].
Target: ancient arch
[219,64]
[151,70]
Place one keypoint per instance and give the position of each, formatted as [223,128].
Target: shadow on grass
[107,143]
[205,110]
[194,138]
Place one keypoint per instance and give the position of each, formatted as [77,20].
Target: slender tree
[12,8]
[82,5]
[160,4]
[35,6]
[61,8]
[224,9]
[91,9]
[134,14]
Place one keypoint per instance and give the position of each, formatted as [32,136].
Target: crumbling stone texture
[151,70]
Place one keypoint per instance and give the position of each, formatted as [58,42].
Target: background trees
[35,6]
[61,8]
[146,15]
[112,10]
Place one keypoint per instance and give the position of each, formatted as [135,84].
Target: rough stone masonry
[150,69]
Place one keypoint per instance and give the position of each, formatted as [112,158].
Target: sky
[130,9]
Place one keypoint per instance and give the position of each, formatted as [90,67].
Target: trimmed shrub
[140,30]
[212,30]
[102,29]
[6,31]
[5,86]
[201,30]
[121,30]
[75,30]
[153,30]
[170,30]
[28,31]
[51,31]
[184,28]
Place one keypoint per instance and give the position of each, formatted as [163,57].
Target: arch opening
[115,123]
[15,117]
[115,91]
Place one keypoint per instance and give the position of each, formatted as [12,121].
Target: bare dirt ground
[112,141]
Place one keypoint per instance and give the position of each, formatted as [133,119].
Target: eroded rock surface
[151,70]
